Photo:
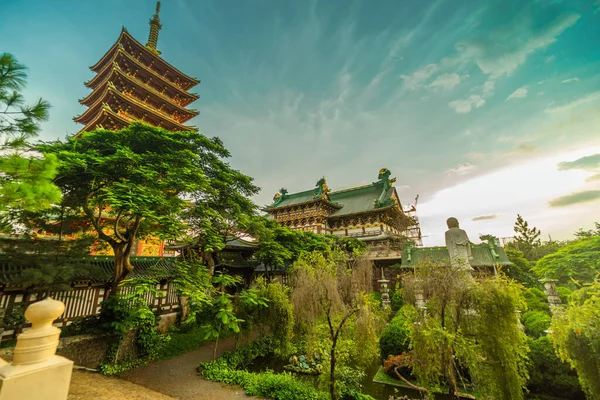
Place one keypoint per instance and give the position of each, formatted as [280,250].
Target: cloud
[501,49]
[570,80]
[588,163]
[419,77]
[592,97]
[461,169]
[484,217]
[488,88]
[549,59]
[520,93]
[447,81]
[575,198]
[593,178]
[465,106]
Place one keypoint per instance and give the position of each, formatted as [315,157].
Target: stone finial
[40,342]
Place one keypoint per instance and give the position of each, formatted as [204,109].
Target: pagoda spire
[154,28]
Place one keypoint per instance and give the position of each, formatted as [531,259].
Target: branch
[97,226]
[116,228]
[410,384]
[348,315]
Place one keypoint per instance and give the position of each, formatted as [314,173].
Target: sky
[484,109]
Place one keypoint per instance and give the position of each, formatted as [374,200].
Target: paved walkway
[178,378]
[91,385]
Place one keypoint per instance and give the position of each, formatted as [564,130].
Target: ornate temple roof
[377,196]
[484,255]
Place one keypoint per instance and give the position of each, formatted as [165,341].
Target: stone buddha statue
[458,245]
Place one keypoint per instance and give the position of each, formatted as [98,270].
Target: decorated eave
[122,59]
[117,77]
[112,96]
[106,119]
[135,48]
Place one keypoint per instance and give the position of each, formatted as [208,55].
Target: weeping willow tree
[469,335]
[576,334]
[331,289]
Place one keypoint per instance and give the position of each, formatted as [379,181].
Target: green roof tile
[482,256]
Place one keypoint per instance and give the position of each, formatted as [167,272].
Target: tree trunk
[216,345]
[332,370]
[419,388]
[210,262]
[123,265]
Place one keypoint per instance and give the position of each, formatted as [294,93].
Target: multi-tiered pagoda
[133,83]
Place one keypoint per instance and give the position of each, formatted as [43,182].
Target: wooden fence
[81,302]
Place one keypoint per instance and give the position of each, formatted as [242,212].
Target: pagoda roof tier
[124,103]
[150,58]
[107,119]
[127,63]
[127,83]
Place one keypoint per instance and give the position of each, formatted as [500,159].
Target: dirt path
[91,385]
[178,378]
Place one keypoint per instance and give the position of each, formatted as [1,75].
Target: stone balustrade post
[36,372]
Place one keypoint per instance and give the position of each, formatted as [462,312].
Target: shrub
[549,375]
[396,300]
[394,339]
[536,323]
[536,300]
[564,293]
[82,326]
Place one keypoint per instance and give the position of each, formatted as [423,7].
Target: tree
[580,234]
[135,183]
[520,270]
[281,246]
[332,289]
[576,334]
[468,326]
[220,210]
[25,181]
[577,262]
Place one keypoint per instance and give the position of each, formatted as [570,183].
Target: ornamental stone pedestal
[383,289]
[36,372]
[552,294]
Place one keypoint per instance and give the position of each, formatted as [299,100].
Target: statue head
[452,222]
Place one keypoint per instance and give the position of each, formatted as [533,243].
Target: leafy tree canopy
[578,262]
[25,180]
[576,334]
[138,181]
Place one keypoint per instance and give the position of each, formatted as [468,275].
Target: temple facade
[371,213]
[133,83]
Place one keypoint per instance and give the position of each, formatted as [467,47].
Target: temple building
[133,83]
[372,213]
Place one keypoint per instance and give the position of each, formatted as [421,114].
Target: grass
[183,342]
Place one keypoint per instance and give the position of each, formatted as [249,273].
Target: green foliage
[182,341]
[576,262]
[576,334]
[280,247]
[527,238]
[82,326]
[536,323]
[564,293]
[277,318]
[14,317]
[580,234]
[396,301]
[192,281]
[536,300]
[127,312]
[550,376]
[395,337]
[25,181]
[521,269]
[468,325]
[141,178]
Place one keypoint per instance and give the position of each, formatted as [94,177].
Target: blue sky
[485,109]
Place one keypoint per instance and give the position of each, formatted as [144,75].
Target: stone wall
[84,350]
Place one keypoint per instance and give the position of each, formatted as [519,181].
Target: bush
[182,341]
[564,293]
[82,326]
[536,323]
[548,375]
[394,339]
[396,300]
[536,300]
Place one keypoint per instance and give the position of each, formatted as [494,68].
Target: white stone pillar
[36,372]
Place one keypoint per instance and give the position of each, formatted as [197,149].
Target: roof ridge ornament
[322,189]
[386,184]
[155,26]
